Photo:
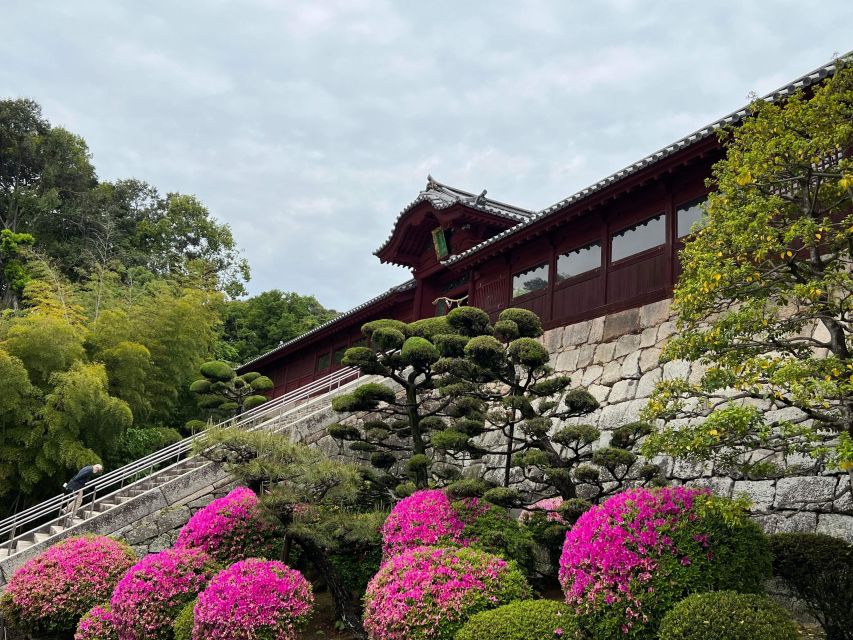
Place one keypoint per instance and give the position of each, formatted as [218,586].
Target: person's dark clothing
[79,481]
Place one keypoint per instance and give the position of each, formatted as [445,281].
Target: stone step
[40,536]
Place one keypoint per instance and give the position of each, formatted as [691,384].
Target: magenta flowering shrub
[151,594]
[97,625]
[424,518]
[50,593]
[626,562]
[549,507]
[253,600]
[428,593]
[232,528]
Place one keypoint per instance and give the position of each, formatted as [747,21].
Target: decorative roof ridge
[442,196]
[734,117]
[408,284]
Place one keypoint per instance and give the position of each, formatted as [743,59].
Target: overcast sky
[308,126]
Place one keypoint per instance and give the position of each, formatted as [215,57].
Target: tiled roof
[409,284]
[442,196]
[809,79]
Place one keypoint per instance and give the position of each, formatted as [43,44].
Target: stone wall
[616,358]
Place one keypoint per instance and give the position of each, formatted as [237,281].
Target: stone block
[759,492]
[567,360]
[160,543]
[171,519]
[788,522]
[576,334]
[817,491]
[719,486]
[188,483]
[604,353]
[651,315]
[634,409]
[631,365]
[623,390]
[686,470]
[585,355]
[649,359]
[626,344]
[592,374]
[649,337]
[612,372]
[596,329]
[676,369]
[665,330]
[837,525]
[599,392]
[553,339]
[612,416]
[647,383]
[621,323]
[140,534]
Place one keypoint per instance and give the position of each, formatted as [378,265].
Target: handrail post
[92,506]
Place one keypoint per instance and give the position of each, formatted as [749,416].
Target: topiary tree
[509,372]
[233,527]
[49,594]
[728,615]
[763,301]
[153,592]
[819,569]
[451,585]
[221,392]
[522,620]
[418,359]
[328,508]
[254,599]
[626,562]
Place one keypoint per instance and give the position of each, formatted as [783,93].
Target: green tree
[13,256]
[19,403]
[260,323]
[223,393]
[764,301]
[418,359]
[46,344]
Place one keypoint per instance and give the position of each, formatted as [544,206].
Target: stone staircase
[188,478]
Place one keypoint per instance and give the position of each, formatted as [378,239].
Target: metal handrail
[174,451]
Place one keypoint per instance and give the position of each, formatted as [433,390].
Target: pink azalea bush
[428,593]
[253,600]
[232,528]
[51,592]
[151,594]
[97,625]
[424,518]
[629,560]
[548,506]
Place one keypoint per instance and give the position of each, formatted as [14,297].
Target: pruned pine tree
[326,506]
[526,421]
[409,414]
[223,393]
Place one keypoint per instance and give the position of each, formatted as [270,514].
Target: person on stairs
[76,486]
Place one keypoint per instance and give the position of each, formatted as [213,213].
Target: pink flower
[97,625]
[424,518]
[232,528]
[152,593]
[253,599]
[50,593]
[550,506]
[429,592]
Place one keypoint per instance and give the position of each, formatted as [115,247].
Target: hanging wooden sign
[439,242]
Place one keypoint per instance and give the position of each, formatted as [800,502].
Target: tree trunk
[418,446]
[346,607]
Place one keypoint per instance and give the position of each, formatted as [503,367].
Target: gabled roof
[735,117]
[442,196]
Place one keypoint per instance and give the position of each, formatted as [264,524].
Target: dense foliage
[153,592]
[491,528]
[727,615]
[51,592]
[429,592]
[628,561]
[819,570]
[253,600]
[764,298]
[522,620]
[97,624]
[223,393]
[233,527]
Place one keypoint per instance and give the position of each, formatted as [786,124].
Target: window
[689,214]
[323,362]
[646,235]
[533,279]
[338,355]
[578,261]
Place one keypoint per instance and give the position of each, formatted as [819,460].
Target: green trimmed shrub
[182,627]
[429,328]
[419,352]
[253,401]
[490,528]
[819,569]
[469,321]
[727,615]
[528,352]
[522,620]
[217,370]
[528,323]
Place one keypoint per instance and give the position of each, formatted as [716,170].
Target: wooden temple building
[606,248]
